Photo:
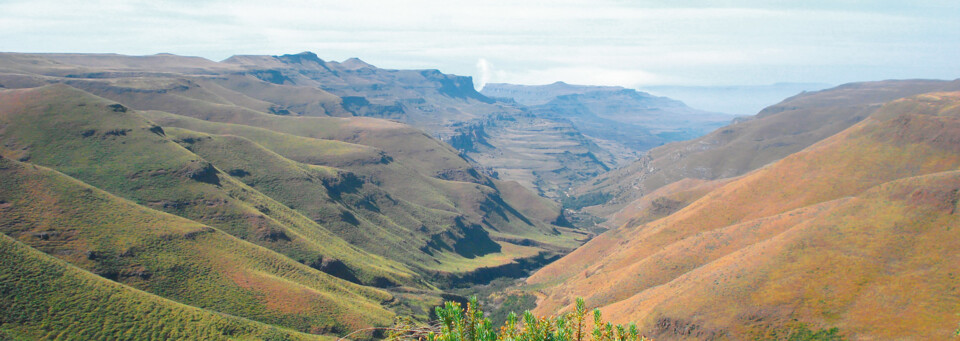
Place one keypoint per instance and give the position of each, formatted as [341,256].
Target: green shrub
[456,324]
[802,332]
[589,199]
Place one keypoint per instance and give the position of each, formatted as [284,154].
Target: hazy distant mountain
[614,116]
[539,94]
[734,99]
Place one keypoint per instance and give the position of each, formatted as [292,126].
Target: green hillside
[264,216]
[391,209]
[110,147]
[44,298]
[413,167]
[176,258]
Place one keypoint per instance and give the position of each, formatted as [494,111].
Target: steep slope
[774,133]
[176,258]
[44,298]
[879,266]
[106,145]
[816,238]
[546,155]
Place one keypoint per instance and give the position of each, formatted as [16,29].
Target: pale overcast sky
[608,42]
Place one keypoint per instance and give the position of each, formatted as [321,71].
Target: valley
[291,197]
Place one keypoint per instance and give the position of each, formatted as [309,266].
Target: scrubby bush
[456,324]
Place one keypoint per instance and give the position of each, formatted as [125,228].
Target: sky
[601,42]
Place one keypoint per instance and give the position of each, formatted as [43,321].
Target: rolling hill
[44,298]
[831,236]
[294,233]
[176,258]
[403,169]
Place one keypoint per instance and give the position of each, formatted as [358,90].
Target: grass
[142,164]
[176,258]
[44,298]
[246,228]
[241,220]
[412,207]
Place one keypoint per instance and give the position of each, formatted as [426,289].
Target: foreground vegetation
[453,323]
[456,324]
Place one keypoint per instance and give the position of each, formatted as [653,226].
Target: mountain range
[291,198]
[310,223]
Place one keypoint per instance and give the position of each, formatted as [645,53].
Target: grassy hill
[44,298]
[410,208]
[108,146]
[819,238]
[464,204]
[373,202]
[176,258]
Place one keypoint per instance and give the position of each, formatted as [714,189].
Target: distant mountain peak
[301,58]
[356,63]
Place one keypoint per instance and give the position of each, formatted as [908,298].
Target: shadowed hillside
[826,237]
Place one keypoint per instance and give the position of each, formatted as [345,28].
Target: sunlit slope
[662,202]
[45,299]
[906,138]
[882,266]
[174,257]
[104,144]
[771,135]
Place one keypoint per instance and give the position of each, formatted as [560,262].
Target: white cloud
[586,74]
[483,74]
[602,41]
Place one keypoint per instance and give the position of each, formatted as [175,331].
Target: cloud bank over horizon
[606,42]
